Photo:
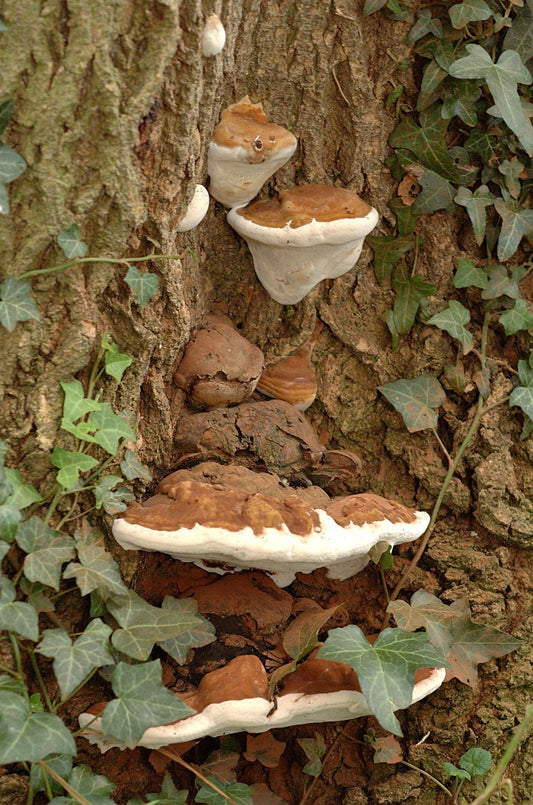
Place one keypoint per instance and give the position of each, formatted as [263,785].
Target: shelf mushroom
[235,699]
[245,151]
[196,209]
[304,235]
[292,379]
[213,36]
[224,529]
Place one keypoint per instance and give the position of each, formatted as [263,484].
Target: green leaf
[479,142]
[386,670]
[476,761]
[6,110]
[110,428]
[62,764]
[141,702]
[11,164]
[516,222]
[96,570]
[132,468]
[427,142]
[512,169]
[75,404]
[424,25]
[406,219]
[460,100]
[520,35]
[144,286]
[115,362]
[23,495]
[464,643]
[501,284]
[93,787]
[74,661]
[416,400]
[387,251]
[409,291]
[239,793]
[469,11]
[169,795]
[502,79]
[371,6]
[70,465]
[301,636]
[10,516]
[314,749]
[27,736]
[476,204]
[112,500]
[468,276]
[453,320]
[519,318]
[4,200]
[46,550]
[16,303]
[437,193]
[71,243]
[453,771]
[522,396]
[197,631]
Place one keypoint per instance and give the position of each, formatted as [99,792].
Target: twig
[197,773]
[62,782]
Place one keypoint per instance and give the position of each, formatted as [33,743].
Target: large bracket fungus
[221,529]
[292,379]
[236,698]
[245,151]
[304,235]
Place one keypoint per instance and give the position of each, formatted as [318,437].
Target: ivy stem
[197,773]
[442,445]
[41,272]
[40,680]
[57,497]
[18,660]
[496,779]
[428,775]
[63,783]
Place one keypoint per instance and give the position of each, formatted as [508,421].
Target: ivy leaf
[409,291]
[16,303]
[132,468]
[501,284]
[371,6]
[71,243]
[519,37]
[144,286]
[301,636]
[453,320]
[141,702]
[70,464]
[11,164]
[197,630]
[239,793]
[415,400]
[115,362]
[27,736]
[110,428]
[427,142]
[387,749]
[406,219]
[432,78]
[516,222]
[96,570]
[453,771]
[459,100]
[387,251]
[74,661]
[10,516]
[92,787]
[4,200]
[75,404]
[264,748]
[522,396]
[22,495]
[511,169]
[169,795]
[386,670]
[468,276]
[464,643]
[502,79]
[314,749]
[479,142]
[518,318]
[17,616]
[62,764]
[476,761]
[6,110]
[46,550]
[437,193]
[112,500]
[476,204]
[425,24]
[469,11]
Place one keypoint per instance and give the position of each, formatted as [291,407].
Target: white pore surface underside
[234,181]
[258,715]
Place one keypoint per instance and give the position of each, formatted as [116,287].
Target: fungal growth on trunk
[213,36]
[219,366]
[196,210]
[236,698]
[304,235]
[245,151]
[224,529]
[292,379]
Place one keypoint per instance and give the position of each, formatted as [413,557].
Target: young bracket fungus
[219,366]
[196,211]
[245,151]
[292,380]
[225,529]
[213,36]
[235,698]
[304,235]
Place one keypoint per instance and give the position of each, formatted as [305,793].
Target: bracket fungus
[219,366]
[292,379]
[213,36]
[245,151]
[235,698]
[224,529]
[304,235]
[196,210]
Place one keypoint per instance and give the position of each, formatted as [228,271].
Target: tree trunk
[114,110]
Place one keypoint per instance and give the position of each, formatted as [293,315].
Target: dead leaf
[265,749]
[387,749]
[409,188]
[301,636]
[262,795]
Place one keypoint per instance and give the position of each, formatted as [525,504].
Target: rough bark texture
[114,111]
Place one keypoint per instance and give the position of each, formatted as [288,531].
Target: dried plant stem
[62,782]
[197,773]
[41,272]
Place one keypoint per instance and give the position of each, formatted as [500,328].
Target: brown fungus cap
[369,508]
[191,502]
[292,379]
[245,124]
[243,677]
[300,205]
